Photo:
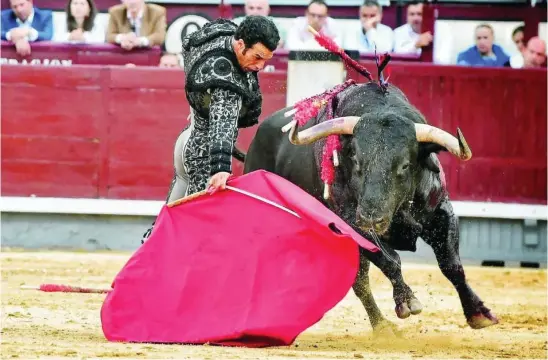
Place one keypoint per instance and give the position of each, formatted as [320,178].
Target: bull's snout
[380,224]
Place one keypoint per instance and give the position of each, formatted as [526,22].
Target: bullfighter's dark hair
[319,2]
[88,21]
[258,29]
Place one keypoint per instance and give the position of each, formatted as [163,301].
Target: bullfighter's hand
[218,182]
[22,47]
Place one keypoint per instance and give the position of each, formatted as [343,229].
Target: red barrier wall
[51,53]
[87,131]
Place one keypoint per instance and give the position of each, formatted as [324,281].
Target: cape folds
[233,269]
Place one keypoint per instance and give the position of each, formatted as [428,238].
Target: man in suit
[24,23]
[135,24]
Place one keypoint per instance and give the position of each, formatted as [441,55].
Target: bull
[388,186]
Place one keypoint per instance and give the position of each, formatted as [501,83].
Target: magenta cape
[229,269]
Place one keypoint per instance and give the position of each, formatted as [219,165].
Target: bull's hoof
[482,320]
[410,307]
[386,329]
[403,311]
[415,306]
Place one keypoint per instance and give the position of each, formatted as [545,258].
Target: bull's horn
[456,146]
[338,126]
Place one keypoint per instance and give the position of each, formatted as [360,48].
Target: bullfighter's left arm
[224,111]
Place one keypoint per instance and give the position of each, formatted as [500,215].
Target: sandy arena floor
[62,325]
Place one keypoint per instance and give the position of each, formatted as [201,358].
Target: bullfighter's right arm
[224,111]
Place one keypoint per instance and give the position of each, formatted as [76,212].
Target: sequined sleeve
[224,111]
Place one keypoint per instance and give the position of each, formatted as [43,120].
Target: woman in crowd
[80,25]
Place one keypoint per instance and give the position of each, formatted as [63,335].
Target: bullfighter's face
[252,58]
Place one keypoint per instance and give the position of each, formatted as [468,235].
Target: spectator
[518,38]
[484,53]
[261,8]
[169,60]
[24,23]
[80,25]
[316,16]
[136,24]
[516,60]
[533,56]
[408,38]
[257,7]
[372,34]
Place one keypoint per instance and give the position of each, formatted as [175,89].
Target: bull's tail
[238,154]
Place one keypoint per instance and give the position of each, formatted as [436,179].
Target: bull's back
[263,149]
[271,150]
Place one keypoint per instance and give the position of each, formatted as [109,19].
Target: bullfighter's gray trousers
[179,185]
[190,160]
[190,163]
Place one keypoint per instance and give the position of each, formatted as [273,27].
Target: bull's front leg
[388,261]
[362,289]
[442,234]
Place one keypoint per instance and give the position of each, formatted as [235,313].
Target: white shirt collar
[139,15]
[29,20]
[410,29]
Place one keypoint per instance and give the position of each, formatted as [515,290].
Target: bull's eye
[403,169]
[356,163]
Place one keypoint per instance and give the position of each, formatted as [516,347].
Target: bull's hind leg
[362,289]
[442,234]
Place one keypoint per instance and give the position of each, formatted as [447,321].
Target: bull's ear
[425,158]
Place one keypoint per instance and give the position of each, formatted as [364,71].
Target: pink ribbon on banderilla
[309,108]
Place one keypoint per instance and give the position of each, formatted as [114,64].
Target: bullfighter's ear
[425,159]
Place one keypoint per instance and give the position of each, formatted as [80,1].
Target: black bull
[387,186]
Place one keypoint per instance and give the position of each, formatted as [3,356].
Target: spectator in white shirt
[299,38]
[408,38]
[518,35]
[533,55]
[80,25]
[372,36]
